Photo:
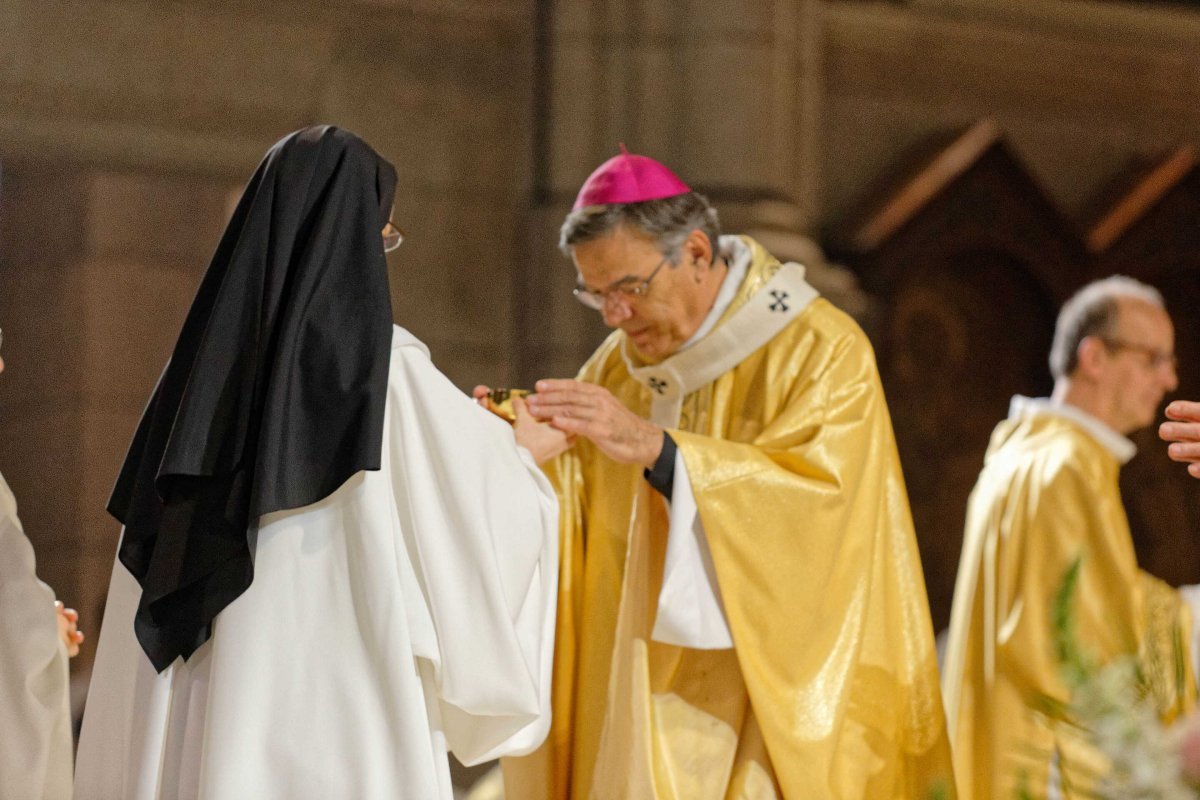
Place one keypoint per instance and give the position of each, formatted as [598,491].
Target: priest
[334,565]
[741,611]
[1048,498]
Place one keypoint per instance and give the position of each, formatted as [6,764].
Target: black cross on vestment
[779,304]
[657,385]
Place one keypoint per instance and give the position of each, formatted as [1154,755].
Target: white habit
[410,612]
[35,714]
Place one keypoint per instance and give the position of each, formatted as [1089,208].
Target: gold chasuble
[830,689]
[1048,495]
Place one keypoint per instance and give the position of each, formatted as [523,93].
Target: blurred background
[949,170]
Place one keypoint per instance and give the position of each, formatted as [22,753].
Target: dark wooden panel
[970,261]
[1157,241]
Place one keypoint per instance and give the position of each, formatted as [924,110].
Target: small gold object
[499,402]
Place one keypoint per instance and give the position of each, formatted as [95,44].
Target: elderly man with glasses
[742,611]
[1047,498]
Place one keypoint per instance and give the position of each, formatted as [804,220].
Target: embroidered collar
[737,255]
[736,333]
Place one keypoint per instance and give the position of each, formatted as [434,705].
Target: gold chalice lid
[499,402]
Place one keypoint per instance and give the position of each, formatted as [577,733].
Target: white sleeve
[482,520]
[35,720]
[690,612]
[1191,596]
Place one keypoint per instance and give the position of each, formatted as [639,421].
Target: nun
[335,566]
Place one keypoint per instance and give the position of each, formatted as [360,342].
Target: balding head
[1114,352]
[1092,311]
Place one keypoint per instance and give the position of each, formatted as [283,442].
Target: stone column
[726,94]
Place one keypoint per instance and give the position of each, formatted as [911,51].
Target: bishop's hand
[591,411]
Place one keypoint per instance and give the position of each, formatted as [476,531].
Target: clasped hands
[561,409]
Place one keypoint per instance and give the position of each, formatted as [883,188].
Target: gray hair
[667,221]
[1092,311]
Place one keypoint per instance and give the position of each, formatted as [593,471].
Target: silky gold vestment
[831,690]
[1048,494]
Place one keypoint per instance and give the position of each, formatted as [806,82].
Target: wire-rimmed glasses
[627,289]
[1155,358]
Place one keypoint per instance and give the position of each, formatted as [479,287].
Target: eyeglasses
[1155,358]
[392,236]
[626,289]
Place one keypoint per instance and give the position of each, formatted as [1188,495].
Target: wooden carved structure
[1151,232]
[969,260]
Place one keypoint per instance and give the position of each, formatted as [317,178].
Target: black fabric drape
[274,394]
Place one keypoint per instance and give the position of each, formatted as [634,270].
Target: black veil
[274,393]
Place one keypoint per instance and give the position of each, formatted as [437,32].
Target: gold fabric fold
[831,690]
[1048,494]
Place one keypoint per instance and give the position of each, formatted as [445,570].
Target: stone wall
[1078,87]
[98,270]
[126,131]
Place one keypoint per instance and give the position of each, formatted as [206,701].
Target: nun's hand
[541,439]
